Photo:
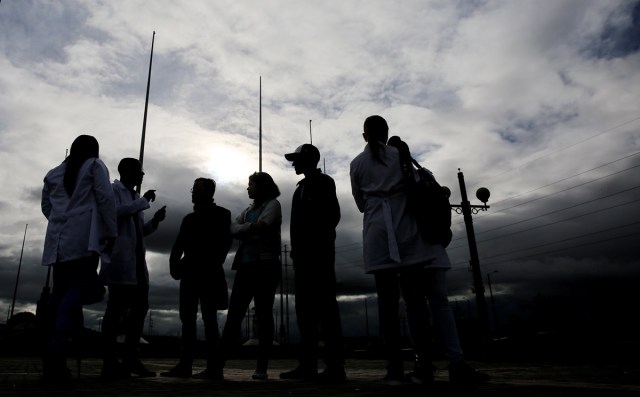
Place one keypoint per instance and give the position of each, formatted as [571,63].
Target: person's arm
[271,216]
[105,198]
[131,207]
[240,228]
[224,236]
[45,202]
[331,204]
[355,188]
[152,225]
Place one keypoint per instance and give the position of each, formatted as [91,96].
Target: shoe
[393,380]
[462,373]
[55,370]
[179,371]
[209,374]
[332,375]
[300,373]
[114,370]
[136,367]
[260,375]
[421,374]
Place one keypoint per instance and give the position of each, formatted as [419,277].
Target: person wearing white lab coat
[398,256]
[124,270]
[79,204]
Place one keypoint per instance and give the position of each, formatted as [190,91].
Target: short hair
[128,164]
[208,185]
[266,188]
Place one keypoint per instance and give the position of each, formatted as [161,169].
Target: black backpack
[427,200]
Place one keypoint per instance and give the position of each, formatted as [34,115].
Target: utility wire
[608,130]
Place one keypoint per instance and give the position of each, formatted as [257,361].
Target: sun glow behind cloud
[228,164]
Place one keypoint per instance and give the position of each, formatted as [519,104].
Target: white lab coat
[77,224]
[390,234]
[118,264]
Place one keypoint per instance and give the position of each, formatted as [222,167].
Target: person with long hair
[79,204]
[257,265]
[401,260]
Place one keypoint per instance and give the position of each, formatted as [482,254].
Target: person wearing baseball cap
[315,213]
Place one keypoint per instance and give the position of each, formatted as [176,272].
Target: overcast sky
[536,100]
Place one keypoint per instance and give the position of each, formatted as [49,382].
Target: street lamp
[493,303]
[467,209]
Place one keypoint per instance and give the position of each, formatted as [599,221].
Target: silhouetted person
[196,260]
[396,254]
[315,213]
[124,271]
[257,265]
[78,202]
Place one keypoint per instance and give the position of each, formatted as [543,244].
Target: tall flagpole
[146,106]
[15,290]
[260,130]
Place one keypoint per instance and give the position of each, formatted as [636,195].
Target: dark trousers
[258,282]
[389,283]
[317,313]
[196,291]
[126,311]
[70,286]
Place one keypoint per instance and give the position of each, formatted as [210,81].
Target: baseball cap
[306,151]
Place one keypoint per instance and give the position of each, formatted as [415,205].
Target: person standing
[79,205]
[315,213]
[124,270]
[196,259]
[257,265]
[399,258]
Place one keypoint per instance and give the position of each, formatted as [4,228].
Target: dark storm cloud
[465,73]
[620,35]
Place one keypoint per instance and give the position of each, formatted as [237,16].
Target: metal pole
[260,130]
[15,290]
[146,106]
[310,135]
[475,261]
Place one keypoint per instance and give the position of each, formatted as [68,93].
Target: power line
[556,211]
[563,148]
[563,249]
[560,221]
[562,241]
[560,191]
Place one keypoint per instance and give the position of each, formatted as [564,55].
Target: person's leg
[188,315]
[307,318]
[69,279]
[443,319]
[117,305]
[388,293]
[211,332]
[241,296]
[330,323]
[134,326]
[413,288]
[265,285]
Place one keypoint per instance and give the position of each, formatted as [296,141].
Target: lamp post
[493,303]
[467,210]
